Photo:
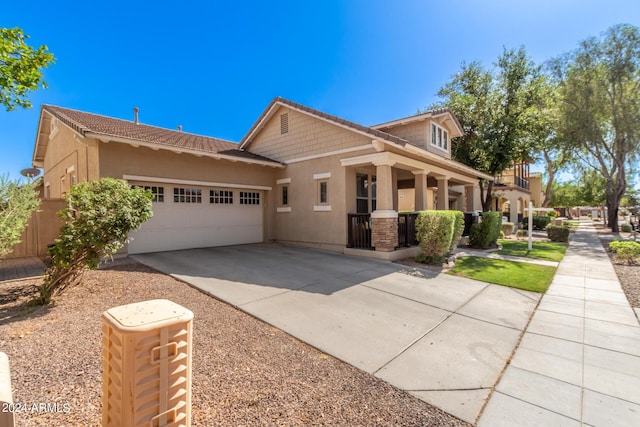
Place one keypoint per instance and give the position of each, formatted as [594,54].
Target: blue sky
[213,66]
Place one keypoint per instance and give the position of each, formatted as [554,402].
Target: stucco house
[515,188]
[298,176]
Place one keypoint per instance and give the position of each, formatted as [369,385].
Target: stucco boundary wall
[42,229]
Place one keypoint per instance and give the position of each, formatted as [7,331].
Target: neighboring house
[298,176]
[515,188]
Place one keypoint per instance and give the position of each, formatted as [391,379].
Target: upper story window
[187,195]
[439,137]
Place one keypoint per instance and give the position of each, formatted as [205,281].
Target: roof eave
[136,143]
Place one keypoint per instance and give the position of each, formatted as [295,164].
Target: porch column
[469,197]
[420,190]
[384,220]
[443,193]
[514,207]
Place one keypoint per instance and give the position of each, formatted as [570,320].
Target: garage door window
[249,198]
[223,197]
[158,193]
[187,195]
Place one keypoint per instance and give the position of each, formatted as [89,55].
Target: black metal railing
[359,229]
[407,229]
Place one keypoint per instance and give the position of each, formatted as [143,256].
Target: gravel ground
[245,372]
[628,275]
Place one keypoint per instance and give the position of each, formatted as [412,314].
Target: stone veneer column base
[384,230]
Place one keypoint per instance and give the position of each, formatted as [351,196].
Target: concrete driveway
[443,339]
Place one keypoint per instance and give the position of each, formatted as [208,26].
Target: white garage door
[187,217]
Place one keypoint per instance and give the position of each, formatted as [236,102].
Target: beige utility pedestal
[146,365]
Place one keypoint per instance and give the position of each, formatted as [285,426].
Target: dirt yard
[245,372]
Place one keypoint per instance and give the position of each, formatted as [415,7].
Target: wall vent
[284,123]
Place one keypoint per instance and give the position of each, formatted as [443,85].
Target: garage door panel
[176,226]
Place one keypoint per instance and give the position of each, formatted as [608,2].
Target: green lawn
[550,251]
[521,275]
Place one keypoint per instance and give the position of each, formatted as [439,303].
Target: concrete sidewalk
[20,268]
[579,360]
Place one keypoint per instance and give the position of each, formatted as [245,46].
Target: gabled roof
[423,116]
[278,101]
[109,128]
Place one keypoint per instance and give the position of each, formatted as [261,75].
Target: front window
[365,193]
[322,192]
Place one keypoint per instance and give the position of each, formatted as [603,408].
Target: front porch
[385,186]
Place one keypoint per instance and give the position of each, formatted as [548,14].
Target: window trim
[439,137]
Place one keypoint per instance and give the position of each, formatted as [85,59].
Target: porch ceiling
[407,167]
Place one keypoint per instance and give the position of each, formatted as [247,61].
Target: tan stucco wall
[42,229]
[419,134]
[307,136]
[415,133]
[535,186]
[118,160]
[303,225]
[67,150]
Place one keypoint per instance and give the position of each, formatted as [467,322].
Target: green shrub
[507,228]
[435,232]
[18,201]
[626,228]
[520,234]
[458,229]
[626,251]
[540,222]
[99,217]
[553,214]
[558,233]
[485,234]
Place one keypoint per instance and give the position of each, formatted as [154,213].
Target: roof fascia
[136,143]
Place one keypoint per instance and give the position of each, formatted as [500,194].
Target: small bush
[557,233]
[507,228]
[626,228]
[435,231]
[539,222]
[553,214]
[458,229]
[485,234]
[99,216]
[521,234]
[626,251]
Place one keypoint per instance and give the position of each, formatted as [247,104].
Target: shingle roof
[355,126]
[88,123]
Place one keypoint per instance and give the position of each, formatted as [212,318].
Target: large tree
[497,109]
[600,107]
[20,68]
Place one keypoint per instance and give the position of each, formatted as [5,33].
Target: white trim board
[190,182]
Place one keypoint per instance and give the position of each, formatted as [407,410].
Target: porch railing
[359,230]
[407,229]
